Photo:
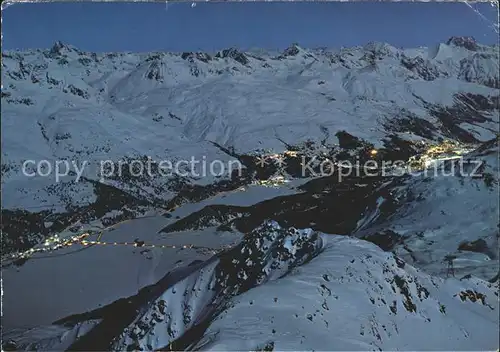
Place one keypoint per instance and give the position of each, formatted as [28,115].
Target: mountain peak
[292,50]
[59,47]
[468,43]
[234,54]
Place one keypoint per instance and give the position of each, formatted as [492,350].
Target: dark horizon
[210,27]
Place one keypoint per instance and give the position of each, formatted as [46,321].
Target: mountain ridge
[102,238]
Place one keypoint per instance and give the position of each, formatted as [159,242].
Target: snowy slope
[91,107]
[289,289]
[453,213]
[250,280]
[355,297]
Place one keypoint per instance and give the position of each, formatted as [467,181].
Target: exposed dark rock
[85,61]
[397,149]
[76,91]
[204,57]
[154,71]
[386,240]
[234,54]
[463,111]
[269,346]
[212,215]
[57,48]
[21,229]
[479,102]
[495,278]
[325,205]
[404,290]
[478,246]
[473,296]
[423,68]
[291,51]
[348,141]
[468,43]
[154,57]
[472,70]
[23,101]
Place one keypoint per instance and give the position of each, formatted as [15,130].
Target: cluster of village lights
[55,242]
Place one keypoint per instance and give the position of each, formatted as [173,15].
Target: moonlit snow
[270,259]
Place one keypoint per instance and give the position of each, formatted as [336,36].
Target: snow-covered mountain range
[273,255]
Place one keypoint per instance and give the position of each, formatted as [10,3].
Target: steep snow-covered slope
[288,289]
[352,297]
[210,236]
